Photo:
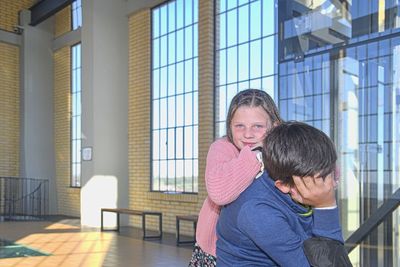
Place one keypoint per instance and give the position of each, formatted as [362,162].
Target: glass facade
[339,71]
[175,97]
[334,65]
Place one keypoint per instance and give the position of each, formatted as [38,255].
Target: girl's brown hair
[252,98]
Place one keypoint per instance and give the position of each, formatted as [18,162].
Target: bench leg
[159,226]
[117,221]
[144,226]
[101,224]
[177,232]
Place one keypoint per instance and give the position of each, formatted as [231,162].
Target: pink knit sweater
[228,173]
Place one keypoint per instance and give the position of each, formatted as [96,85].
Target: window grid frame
[263,79]
[76,14]
[193,93]
[76,117]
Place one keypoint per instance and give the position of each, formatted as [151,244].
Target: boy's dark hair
[295,148]
[252,98]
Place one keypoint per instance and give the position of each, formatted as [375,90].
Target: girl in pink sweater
[232,164]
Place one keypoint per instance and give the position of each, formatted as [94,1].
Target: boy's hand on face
[314,191]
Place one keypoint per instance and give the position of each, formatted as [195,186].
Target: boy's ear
[284,188]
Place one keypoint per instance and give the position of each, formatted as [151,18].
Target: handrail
[27,195]
[373,221]
[23,198]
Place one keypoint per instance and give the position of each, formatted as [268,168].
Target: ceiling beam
[45,9]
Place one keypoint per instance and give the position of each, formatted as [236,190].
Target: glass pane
[163,115]
[180,110]
[171,80]
[156,22]
[171,112]
[188,109]
[171,17]
[163,51]
[163,82]
[268,57]
[179,143]
[255,60]
[222,67]
[243,62]
[156,84]
[171,144]
[188,76]
[222,30]
[179,12]
[179,78]
[156,145]
[243,24]
[255,20]
[163,144]
[232,27]
[171,48]
[179,45]
[188,12]
[163,19]
[268,17]
[231,4]
[232,65]
[188,143]
[188,42]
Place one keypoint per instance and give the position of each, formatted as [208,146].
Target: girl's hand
[257,147]
[314,191]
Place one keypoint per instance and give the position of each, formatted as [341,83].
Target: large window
[175,97]
[76,14]
[76,111]
[245,51]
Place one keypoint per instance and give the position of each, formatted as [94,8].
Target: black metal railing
[385,210]
[23,198]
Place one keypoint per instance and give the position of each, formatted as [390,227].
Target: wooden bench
[190,218]
[143,214]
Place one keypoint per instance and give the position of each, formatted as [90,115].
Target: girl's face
[249,126]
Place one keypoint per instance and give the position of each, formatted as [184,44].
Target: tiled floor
[72,246]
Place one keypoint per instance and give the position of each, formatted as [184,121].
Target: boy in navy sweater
[266,225]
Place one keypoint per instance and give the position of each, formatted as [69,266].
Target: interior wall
[104,107]
[37,153]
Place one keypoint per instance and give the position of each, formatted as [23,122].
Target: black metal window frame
[174,97]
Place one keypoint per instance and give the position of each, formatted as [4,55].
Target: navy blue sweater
[265,227]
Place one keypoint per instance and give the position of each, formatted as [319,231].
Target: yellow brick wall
[68,197]
[9,12]
[9,110]
[10,91]
[62,22]
[139,119]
